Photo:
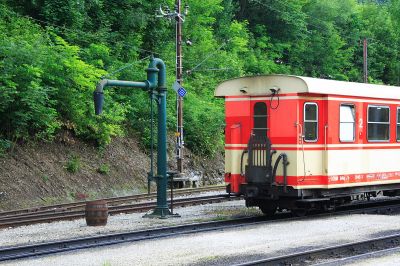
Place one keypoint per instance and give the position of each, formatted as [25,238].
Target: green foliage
[26,105]
[106,263]
[45,86]
[104,169]
[45,178]
[50,65]
[73,164]
[204,125]
[4,146]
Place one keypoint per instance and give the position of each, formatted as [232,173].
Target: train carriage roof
[261,85]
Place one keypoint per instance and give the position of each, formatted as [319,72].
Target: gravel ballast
[216,247]
[119,223]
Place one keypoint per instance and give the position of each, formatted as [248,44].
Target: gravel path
[218,248]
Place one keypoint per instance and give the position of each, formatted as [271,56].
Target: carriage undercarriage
[272,198]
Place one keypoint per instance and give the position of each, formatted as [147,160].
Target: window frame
[354,123]
[386,123]
[254,116]
[397,123]
[304,121]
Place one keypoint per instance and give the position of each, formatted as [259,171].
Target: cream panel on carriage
[363,161]
[262,85]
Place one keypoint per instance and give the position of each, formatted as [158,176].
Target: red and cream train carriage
[298,143]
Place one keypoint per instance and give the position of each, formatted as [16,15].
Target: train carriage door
[258,170]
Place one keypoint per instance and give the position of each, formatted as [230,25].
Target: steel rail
[45,217]
[113,210]
[110,208]
[310,256]
[111,200]
[15,252]
[355,258]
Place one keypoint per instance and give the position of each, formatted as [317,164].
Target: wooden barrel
[96,213]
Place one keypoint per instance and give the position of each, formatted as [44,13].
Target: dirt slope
[43,173]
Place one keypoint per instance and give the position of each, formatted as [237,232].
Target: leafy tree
[45,86]
[378,28]
[50,64]
[26,106]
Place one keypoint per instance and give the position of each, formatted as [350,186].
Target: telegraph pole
[365,56]
[179,18]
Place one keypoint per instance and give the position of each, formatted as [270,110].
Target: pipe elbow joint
[151,83]
[100,86]
[157,65]
[98,96]
[148,85]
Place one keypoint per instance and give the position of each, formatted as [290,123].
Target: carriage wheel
[299,212]
[269,208]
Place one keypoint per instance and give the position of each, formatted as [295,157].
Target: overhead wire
[124,67]
[188,72]
[213,69]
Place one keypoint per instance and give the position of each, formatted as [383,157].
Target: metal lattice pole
[179,18]
[179,137]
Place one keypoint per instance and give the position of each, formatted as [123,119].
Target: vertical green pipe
[151,173]
[157,66]
[162,151]
[162,206]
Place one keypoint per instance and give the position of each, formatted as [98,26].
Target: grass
[234,212]
[104,169]
[45,178]
[73,164]
[48,201]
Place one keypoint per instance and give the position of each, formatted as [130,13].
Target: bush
[73,164]
[104,169]
[26,105]
[4,146]
[204,124]
[45,86]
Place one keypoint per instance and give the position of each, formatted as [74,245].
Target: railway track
[46,217]
[334,255]
[15,252]
[111,201]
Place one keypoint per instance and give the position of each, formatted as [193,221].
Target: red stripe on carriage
[322,180]
[299,148]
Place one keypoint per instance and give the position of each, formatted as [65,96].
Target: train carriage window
[378,123]
[260,119]
[310,122]
[398,125]
[347,123]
